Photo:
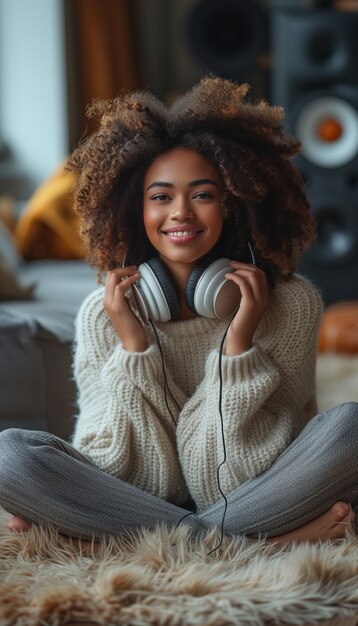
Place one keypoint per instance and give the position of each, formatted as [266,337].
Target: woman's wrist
[238,343]
[136,346]
[232,349]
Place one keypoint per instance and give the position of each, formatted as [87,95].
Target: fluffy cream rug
[165,578]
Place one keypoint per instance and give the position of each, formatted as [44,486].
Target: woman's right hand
[129,329]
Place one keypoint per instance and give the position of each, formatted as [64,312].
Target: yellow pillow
[49,227]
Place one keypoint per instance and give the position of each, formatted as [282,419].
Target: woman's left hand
[254,301]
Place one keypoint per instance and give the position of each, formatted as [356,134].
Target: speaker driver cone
[335,240]
[327,126]
[336,215]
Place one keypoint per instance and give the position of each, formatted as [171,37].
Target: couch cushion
[36,386]
[60,287]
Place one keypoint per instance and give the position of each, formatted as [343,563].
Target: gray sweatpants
[45,480]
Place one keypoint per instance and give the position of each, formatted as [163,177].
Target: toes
[344,516]
[18,524]
[340,510]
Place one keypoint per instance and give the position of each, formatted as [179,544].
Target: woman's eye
[203,195]
[160,197]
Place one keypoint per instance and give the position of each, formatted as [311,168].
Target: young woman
[192,416]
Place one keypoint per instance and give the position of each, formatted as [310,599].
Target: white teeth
[181,233]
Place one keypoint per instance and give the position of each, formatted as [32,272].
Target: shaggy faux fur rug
[166,578]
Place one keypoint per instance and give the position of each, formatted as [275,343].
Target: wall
[33,98]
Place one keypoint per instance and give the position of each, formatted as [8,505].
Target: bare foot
[330,525]
[18,524]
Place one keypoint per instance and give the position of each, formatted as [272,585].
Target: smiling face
[182,214]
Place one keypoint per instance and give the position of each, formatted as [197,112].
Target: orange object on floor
[339,328]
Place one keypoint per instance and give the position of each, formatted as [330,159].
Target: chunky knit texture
[268,395]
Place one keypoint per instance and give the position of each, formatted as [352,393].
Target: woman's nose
[182,209]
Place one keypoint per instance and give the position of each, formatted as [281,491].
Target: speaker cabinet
[181,41]
[315,77]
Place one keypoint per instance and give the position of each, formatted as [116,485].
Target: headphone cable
[222,433]
[223,440]
[166,385]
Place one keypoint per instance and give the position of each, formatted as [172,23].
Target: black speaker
[179,41]
[315,78]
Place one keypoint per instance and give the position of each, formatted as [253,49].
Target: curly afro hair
[264,200]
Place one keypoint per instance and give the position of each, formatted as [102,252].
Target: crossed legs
[305,495]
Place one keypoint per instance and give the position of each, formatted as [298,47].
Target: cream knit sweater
[125,427]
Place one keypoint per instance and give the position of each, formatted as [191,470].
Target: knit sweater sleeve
[123,424]
[268,394]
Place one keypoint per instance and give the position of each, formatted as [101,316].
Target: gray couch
[36,338]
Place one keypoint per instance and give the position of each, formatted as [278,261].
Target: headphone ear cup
[167,290]
[192,284]
[210,294]
[160,298]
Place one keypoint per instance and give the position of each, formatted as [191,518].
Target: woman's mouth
[182,236]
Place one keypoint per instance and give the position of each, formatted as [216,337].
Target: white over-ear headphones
[207,293]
